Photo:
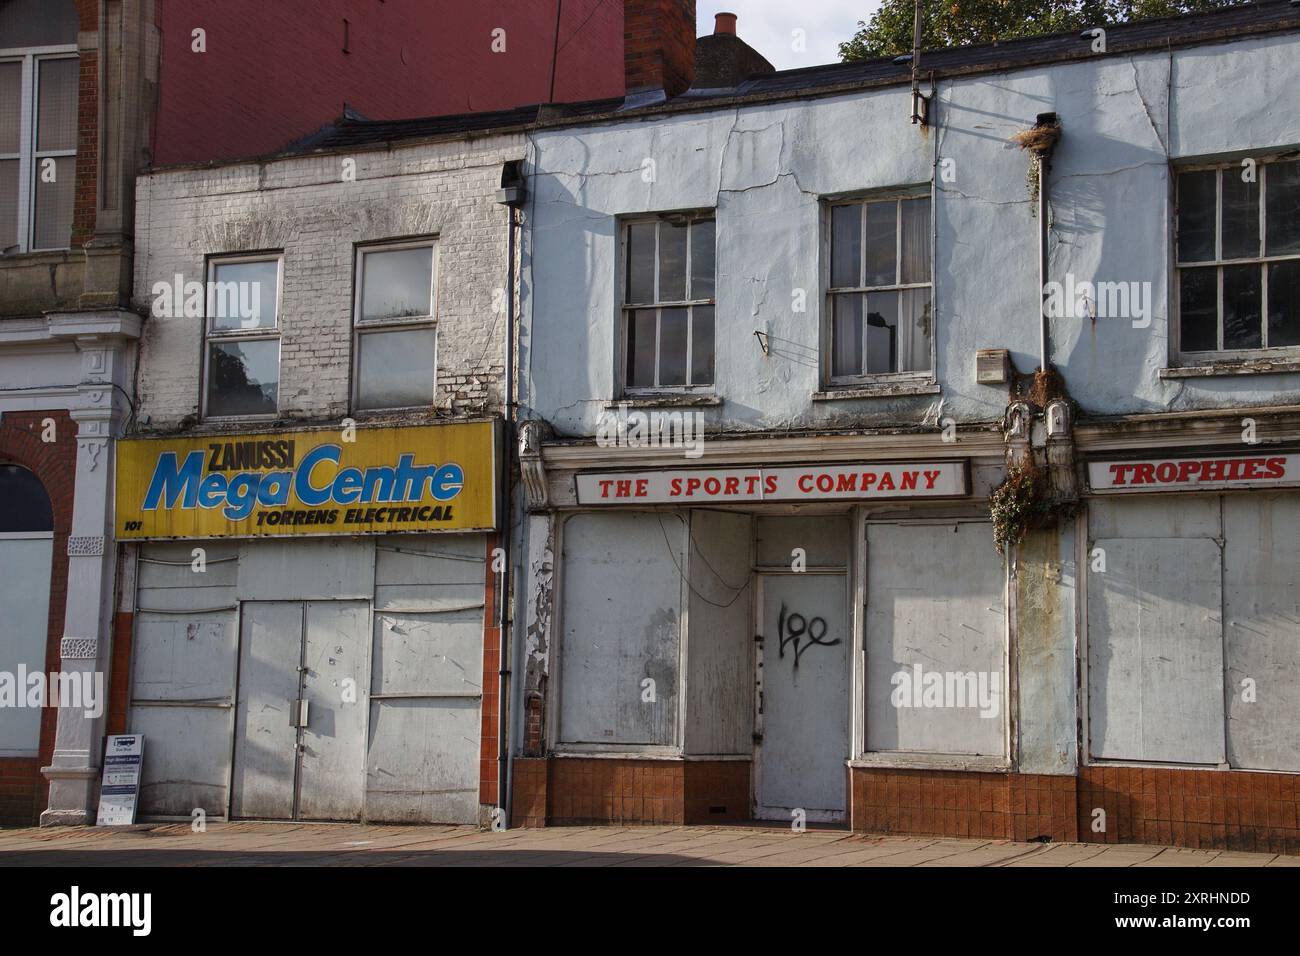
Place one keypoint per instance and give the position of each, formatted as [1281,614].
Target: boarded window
[621,622]
[1155,641]
[1261,614]
[936,640]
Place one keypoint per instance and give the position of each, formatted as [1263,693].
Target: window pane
[1284,303]
[24,503]
[882,332]
[846,246]
[882,243]
[397,283]
[702,259]
[243,377]
[702,345]
[1198,309]
[846,334]
[1241,307]
[914,351]
[672,262]
[56,124]
[11,94]
[1196,201]
[395,369]
[916,240]
[672,347]
[8,203]
[243,294]
[1282,208]
[53,212]
[641,262]
[1240,217]
[641,348]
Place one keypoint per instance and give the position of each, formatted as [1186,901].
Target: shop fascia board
[771,451]
[1177,429]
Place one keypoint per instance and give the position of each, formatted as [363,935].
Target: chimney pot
[724,23]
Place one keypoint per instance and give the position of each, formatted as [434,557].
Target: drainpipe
[1045,122]
[511,194]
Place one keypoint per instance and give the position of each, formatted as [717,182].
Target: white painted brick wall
[304,208]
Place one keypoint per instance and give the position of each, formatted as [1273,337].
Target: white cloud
[768,26]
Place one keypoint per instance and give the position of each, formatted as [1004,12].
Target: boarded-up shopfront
[309,619]
[1193,611]
[729,641]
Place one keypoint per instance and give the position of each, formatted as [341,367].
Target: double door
[301,708]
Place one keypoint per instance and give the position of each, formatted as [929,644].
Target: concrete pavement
[314,844]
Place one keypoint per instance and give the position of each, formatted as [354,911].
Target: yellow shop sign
[363,481]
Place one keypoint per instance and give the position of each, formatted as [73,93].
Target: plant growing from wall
[1038,141]
[1021,502]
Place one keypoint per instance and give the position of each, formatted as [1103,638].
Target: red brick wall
[23,790]
[85,197]
[83,205]
[488,747]
[659,45]
[119,684]
[248,95]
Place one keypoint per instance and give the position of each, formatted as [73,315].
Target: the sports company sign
[930,479]
[343,482]
[1203,473]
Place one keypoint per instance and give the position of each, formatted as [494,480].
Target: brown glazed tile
[1204,782]
[1287,787]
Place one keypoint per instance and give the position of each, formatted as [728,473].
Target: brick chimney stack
[723,60]
[658,46]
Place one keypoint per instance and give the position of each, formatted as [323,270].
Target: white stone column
[106,341]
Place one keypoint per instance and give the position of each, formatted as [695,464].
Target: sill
[615,755]
[920,761]
[1224,369]
[876,390]
[36,257]
[405,411]
[223,420]
[664,401]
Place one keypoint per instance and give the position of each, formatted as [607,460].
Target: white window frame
[241,335]
[626,308]
[361,327]
[896,196]
[1218,263]
[27,155]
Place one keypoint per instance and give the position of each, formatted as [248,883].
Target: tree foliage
[947,23]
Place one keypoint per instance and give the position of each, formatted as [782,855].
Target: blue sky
[768,26]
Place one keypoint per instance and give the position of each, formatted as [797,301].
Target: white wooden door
[803,697]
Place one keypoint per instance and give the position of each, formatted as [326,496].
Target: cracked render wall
[767,168]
